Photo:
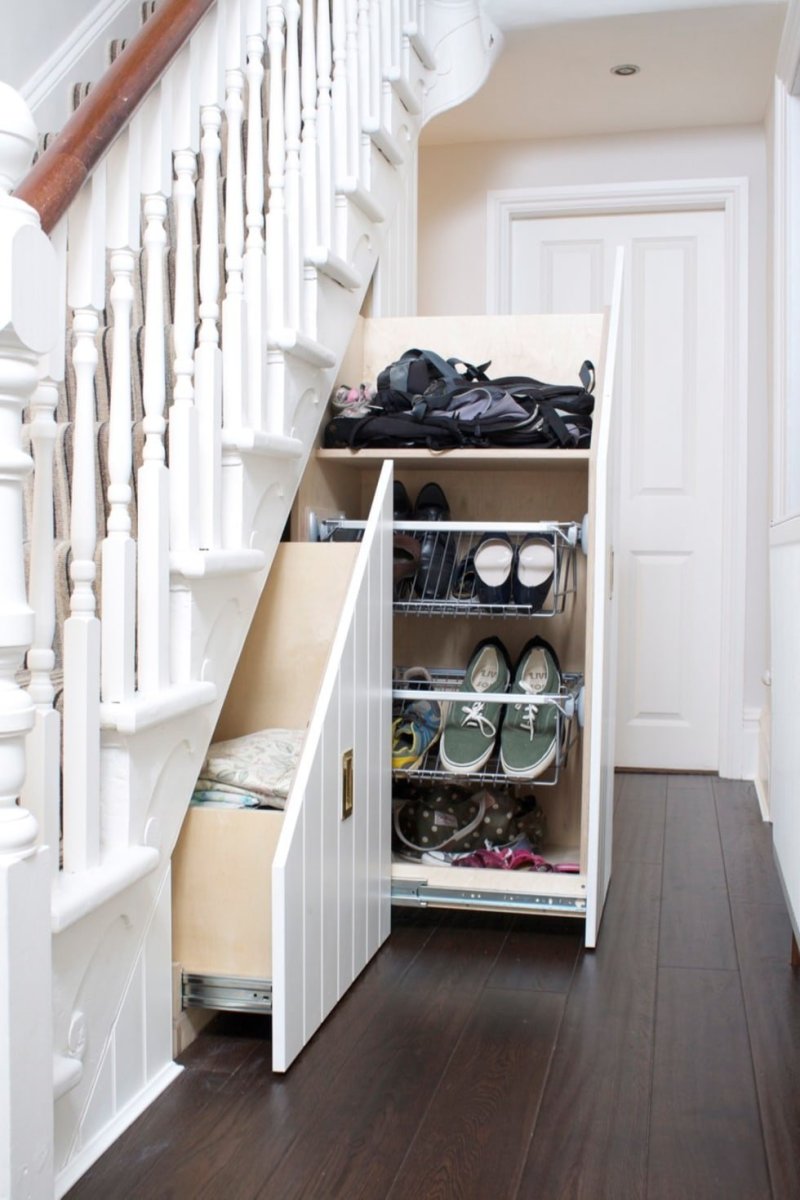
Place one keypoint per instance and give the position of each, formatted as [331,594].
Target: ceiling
[700,66]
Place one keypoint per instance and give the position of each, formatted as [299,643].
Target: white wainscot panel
[661,673]
[664,349]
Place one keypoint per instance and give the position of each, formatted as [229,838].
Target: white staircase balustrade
[216,384]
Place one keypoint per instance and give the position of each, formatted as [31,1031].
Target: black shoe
[431,504]
[402,504]
[438,550]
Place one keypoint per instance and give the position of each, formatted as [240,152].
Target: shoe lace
[529,711]
[474,715]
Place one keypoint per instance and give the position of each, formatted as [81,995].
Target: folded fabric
[260,765]
[233,798]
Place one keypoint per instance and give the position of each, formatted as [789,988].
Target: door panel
[669,476]
[331,873]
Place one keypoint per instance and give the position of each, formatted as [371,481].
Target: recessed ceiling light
[626,69]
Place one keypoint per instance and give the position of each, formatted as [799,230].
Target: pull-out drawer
[290,906]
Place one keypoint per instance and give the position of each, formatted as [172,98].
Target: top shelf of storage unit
[521,460]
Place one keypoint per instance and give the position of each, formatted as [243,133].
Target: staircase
[214,221]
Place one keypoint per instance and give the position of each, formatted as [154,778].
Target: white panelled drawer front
[330,877]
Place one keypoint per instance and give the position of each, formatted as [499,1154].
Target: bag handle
[450,842]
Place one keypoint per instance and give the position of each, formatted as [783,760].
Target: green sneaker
[470,729]
[529,738]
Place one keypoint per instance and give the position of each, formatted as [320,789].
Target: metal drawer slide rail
[420,895]
[227,992]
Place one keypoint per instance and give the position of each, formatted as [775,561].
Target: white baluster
[208,363]
[153,647]
[292,202]
[385,8]
[119,549]
[309,168]
[364,117]
[28,315]
[339,92]
[234,35]
[353,102]
[276,239]
[234,374]
[324,125]
[183,439]
[82,628]
[395,35]
[375,78]
[81,635]
[254,245]
[339,100]
[41,793]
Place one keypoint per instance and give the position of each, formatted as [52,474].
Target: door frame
[729,196]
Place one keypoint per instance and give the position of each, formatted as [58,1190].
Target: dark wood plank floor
[488,1058]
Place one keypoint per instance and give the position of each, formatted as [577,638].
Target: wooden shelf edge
[448,459]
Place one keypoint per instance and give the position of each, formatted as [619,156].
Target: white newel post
[27,329]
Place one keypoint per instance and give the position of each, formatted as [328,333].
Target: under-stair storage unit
[280,911]
[561,494]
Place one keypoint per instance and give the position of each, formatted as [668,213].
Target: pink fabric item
[513,858]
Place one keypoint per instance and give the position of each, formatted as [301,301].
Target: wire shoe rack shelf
[444,582]
[445,689]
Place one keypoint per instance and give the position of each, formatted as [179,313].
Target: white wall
[49,45]
[453,184]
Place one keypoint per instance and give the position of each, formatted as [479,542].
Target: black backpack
[418,372]
[456,411]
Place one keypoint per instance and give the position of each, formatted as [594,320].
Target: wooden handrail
[58,175]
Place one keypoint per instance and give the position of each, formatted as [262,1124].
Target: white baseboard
[763,801]
[89,1155]
[750,733]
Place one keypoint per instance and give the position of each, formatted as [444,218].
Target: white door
[669,557]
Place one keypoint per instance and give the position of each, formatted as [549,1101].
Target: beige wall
[453,186]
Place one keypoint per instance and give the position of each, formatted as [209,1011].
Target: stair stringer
[116,949]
